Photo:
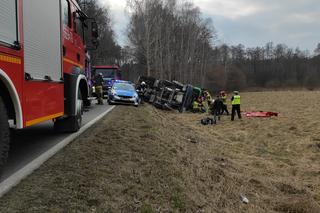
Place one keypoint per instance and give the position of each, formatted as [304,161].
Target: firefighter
[223,96]
[143,86]
[207,100]
[197,105]
[207,97]
[235,100]
[98,83]
[142,89]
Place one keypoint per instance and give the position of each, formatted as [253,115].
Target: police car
[123,92]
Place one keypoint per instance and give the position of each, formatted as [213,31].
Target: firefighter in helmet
[141,89]
[98,83]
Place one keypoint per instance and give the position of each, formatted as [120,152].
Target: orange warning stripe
[10,59]
[72,62]
[46,118]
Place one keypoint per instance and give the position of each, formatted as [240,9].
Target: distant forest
[170,40]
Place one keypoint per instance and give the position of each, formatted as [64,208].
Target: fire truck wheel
[4,134]
[72,123]
[87,102]
[78,118]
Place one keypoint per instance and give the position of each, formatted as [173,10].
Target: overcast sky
[250,22]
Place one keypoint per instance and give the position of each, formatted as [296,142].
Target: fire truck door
[43,86]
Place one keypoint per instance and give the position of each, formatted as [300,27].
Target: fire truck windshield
[8,22]
[108,73]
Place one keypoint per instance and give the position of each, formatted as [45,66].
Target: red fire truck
[110,74]
[42,63]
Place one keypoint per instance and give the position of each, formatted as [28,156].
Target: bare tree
[170,39]
[108,52]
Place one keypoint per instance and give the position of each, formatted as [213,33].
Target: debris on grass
[244,199]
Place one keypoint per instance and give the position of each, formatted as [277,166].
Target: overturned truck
[168,95]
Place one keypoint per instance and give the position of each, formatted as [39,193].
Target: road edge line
[24,172]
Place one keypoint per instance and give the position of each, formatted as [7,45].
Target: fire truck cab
[42,65]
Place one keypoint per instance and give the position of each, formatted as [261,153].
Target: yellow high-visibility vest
[209,98]
[236,100]
[224,99]
[195,105]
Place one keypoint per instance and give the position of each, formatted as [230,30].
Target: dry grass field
[274,161]
[146,160]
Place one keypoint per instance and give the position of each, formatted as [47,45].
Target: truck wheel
[87,102]
[4,135]
[72,123]
[76,121]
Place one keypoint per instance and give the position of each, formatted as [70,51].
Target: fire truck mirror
[94,30]
[92,34]
[95,42]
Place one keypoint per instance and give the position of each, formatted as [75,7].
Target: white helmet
[143,83]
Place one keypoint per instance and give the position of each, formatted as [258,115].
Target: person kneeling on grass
[197,106]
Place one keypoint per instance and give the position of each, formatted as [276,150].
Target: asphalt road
[29,143]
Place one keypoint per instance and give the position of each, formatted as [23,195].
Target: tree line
[169,39]
[270,66]
[108,52]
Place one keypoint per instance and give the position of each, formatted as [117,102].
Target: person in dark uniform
[216,107]
[235,100]
[141,89]
[98,83]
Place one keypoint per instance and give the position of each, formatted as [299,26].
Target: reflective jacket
[236,100]
[195,105]
[209,98]
[224,99]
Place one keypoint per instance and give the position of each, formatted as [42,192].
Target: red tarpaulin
[260,114]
